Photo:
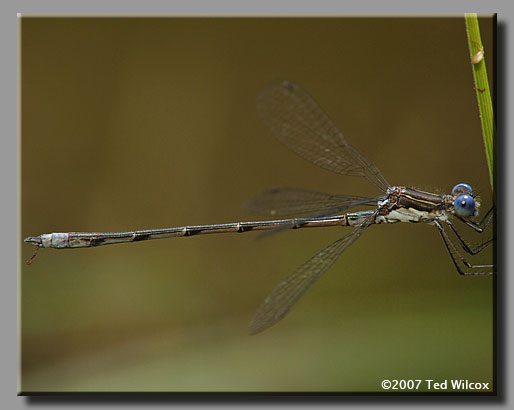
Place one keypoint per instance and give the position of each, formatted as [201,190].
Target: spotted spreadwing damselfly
[299,123]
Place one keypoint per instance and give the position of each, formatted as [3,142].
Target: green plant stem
[485,106]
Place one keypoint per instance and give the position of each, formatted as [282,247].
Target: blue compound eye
[464,206]
[460,189]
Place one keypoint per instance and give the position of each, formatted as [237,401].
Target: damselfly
[298,122]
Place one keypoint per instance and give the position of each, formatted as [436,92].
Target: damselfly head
[464,204]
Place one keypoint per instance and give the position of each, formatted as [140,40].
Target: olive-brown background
[142,123]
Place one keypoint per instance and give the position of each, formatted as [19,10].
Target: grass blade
[485,106]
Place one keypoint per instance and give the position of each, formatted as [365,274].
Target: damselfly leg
[463,266]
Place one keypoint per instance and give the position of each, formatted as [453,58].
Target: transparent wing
[294,286]
[295,201]
[299,123]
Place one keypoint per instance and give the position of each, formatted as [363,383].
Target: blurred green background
[142,123]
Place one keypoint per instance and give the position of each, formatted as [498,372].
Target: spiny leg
[473,250]
[456,256]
